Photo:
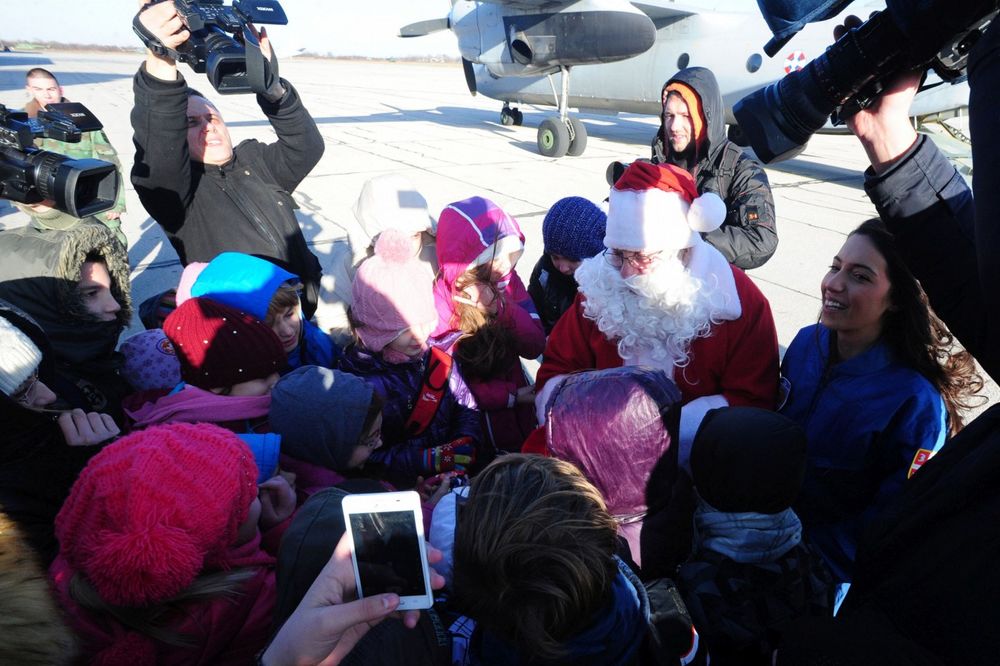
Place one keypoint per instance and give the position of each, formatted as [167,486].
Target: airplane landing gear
[509,116]
[565,134]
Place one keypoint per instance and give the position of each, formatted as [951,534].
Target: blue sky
[329,27]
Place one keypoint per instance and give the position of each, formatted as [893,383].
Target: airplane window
[754,62]
[683,61]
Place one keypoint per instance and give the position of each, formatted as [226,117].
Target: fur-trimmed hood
[39,270]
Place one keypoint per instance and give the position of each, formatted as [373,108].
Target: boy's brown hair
[533,553]
[286,296]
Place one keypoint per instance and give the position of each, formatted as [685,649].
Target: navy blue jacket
[868,420]
[398,384]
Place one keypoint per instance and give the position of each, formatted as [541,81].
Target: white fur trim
[542,399]
[692,415]
[707,263]
[648,221]
[707,213]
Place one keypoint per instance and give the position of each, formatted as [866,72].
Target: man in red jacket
[662,297]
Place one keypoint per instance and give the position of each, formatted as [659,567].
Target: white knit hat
[655,207]
[391,201]
[19,357]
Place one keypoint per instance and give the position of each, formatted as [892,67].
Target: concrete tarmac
[419,120]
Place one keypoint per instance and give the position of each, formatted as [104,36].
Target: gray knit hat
[19,357]
[320,414]
[574,228]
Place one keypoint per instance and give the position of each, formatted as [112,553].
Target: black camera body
[779,119]
[216,46]
[79,187]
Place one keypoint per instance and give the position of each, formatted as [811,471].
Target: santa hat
[392,292]
[152,510]
[656,207]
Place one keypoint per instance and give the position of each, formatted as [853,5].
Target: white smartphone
[387,547]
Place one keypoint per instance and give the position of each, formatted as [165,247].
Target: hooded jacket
[748,236]
[248,283]
[39,271]
[399,384]
[468,231]
[244,205]
[38,467]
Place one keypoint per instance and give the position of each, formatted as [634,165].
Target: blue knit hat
[574,228]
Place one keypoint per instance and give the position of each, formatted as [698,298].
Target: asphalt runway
[419,120]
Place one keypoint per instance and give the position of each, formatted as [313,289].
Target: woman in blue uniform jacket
[877,387]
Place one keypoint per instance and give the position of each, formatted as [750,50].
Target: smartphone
[387,546]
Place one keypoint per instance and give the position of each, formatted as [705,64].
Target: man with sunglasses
[661,296]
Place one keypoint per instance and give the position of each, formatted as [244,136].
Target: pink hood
[468,230]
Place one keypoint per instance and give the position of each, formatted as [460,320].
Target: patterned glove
[457,454]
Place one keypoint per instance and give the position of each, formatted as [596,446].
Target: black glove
[261,74]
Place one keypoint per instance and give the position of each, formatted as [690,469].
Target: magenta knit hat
[152,510]
[218,346]
[392,291]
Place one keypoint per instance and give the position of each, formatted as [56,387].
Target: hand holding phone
[328,622]
[387,547]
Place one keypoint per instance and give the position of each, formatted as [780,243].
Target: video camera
[80,187]
[779,119]
[219,41]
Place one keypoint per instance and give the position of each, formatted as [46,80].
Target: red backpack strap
[432,389]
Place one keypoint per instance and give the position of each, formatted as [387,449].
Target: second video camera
[30,175]
[216,46]
[779,119]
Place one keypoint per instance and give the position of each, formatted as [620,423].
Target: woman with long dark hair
[878,384]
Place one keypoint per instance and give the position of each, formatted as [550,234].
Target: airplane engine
[513,41]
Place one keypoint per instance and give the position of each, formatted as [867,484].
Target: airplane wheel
[553,138]
[579,142]
[518,116]
[507,117]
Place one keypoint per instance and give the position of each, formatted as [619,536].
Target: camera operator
[924,590]
[207,195]
[43,89]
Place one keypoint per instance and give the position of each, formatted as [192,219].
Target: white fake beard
[654,316]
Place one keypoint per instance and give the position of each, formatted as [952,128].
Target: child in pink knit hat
[160,557]
[425,430]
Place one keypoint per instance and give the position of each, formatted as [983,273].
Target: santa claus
[661,296]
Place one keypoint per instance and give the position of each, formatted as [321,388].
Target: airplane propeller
[421,28]
[470,76]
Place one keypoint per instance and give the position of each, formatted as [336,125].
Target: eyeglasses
[636,260]
[23,396]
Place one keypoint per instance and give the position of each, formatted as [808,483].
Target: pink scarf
[195,405]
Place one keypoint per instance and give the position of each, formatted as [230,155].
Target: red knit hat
[219,346]
[655,207]
[150,511]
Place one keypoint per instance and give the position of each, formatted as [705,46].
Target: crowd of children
[183,487]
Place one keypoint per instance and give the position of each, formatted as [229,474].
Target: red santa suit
[735,364]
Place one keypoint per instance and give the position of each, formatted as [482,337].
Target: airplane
[611,56]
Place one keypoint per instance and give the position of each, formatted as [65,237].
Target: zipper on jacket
[248,209]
